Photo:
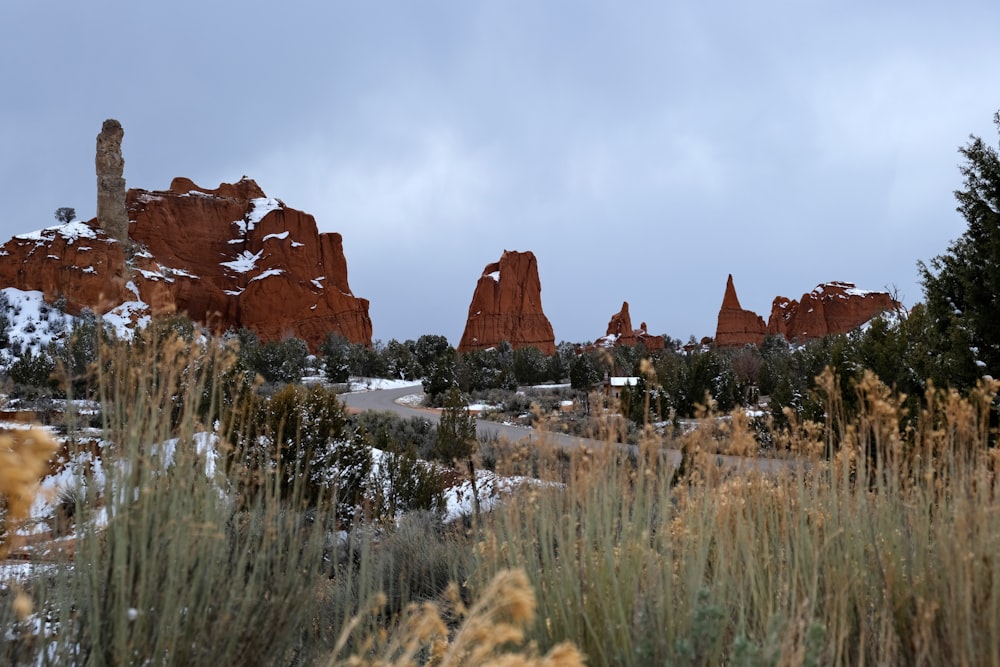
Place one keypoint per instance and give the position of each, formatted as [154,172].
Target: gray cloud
[642,152]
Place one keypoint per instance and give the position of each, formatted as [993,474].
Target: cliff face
[736,326]
[507,306]
[229,257]
[251,260]
[831,308]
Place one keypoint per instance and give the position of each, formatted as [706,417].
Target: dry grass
[449,634]
[875,544]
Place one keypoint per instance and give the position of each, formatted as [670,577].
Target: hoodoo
[736,326]
[111,214]
[507,306]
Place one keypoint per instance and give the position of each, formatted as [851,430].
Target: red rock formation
[620,332]
[736,326]
[507,306]
[620,327]
[651,342]
[74,261]
[831,308]
[229,257]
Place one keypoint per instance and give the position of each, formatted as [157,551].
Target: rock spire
[737,326]
[112,215]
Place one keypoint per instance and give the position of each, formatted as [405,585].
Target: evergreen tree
[456,439]
[401,363]
[440,377]
[430,347]
[530,365]
[583,372]
[336,352]
[962,286]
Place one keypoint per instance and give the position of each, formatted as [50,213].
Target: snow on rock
[282,236]
[127,318]
[267,274]
[71,231]
[245,262]
[261,207]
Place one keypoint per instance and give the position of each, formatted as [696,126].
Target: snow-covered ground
[32,323]
[411,400]
[374,384]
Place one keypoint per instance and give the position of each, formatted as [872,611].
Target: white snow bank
[370,384]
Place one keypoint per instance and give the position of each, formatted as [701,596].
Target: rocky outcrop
[620,332]
[229,257]
[831,308]
[507,306]
[736,326]
[76,264]
[111,214]
[238,258]
[620,327]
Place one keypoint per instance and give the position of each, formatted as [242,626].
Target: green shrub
[304,433]
[33,374]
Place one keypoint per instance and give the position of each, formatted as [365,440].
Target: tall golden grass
[873,543]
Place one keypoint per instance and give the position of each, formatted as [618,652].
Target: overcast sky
[642,150]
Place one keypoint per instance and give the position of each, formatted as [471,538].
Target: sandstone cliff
[831,308]
[507,306]
[736,326]
[229,257]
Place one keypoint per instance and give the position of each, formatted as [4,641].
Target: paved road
[385,400]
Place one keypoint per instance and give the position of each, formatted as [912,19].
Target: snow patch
[261,207]
[244,262]
[127,317]
[34,324]
[71,231]
[268,274]
[369,384]
[281,237]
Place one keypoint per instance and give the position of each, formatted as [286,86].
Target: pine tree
[962,286]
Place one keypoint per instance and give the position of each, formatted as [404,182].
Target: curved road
[385,400]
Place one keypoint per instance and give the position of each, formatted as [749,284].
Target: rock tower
[737,327]
[507,306]
[111,212]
